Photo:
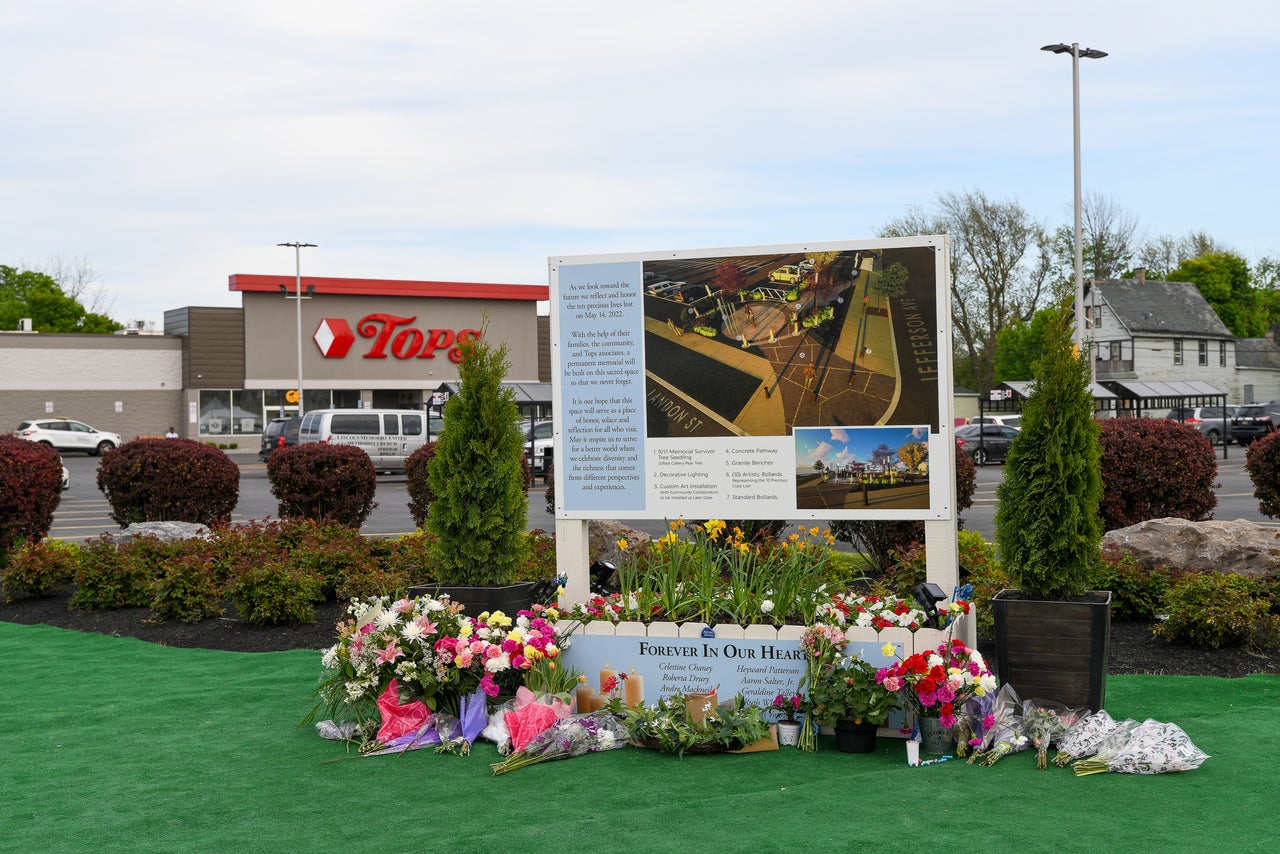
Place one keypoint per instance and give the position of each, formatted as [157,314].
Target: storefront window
[346,399]
[248,412]
[215,412]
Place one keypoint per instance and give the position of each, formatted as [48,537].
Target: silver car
[1209,420]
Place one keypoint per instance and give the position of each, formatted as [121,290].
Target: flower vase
[788,734]
[934,738]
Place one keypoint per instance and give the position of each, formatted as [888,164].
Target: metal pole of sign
[297,265]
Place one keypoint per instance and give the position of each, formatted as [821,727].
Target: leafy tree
[1020,346]
[1048,530]
[912,455]
[1000,261]
[1223,279]
[891,281]
[882,456]
[822,262]
[478,515]
[1108,239]
[730,279]
[1164,253]
[39,297]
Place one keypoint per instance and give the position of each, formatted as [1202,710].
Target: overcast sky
[170,145]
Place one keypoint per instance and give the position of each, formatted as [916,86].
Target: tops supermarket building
[218,374]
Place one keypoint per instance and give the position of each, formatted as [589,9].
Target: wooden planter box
[1054,650]
[510,599]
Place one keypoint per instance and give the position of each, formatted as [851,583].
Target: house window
[1096,311]
[1116,353]
[1204,352]
[1177,352]
[1222,354]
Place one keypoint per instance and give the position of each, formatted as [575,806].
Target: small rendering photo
[855,468]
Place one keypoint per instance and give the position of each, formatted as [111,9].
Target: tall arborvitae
[1047,526]
[479,512]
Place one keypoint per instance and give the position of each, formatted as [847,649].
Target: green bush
[418,484]
[1137,591]
[272,592]
[108,578]
[978,566]
[30,489]
[323,483]
[541,563]
[331,552]
[409,556]
[169,480]
[549,494]
[1262,464]
[38,569]
[1153,468]
[186,589]
[1213,609]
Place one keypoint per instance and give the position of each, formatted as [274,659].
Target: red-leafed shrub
[108,577]
[1262,464]
[30,488]
[38,569]
[1154,468]
[186,589]
[169,480]
[415,473]
[323,483]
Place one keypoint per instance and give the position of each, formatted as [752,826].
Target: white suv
[539,445]
[67,435]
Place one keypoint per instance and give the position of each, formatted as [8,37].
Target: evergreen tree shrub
[169,480]
[479,512]
[1262,464]
[323,483]
[1048,531]
[416,466]
[1153,468]
[30,489]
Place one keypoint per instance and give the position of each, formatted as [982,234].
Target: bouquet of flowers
[576,735]
[1002,728]
[936,683]
[1106,748]
[425,651]
[1045,722]
[1083,737]
[822,646]
[1152,748]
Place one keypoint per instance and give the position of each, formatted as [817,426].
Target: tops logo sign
[334,338]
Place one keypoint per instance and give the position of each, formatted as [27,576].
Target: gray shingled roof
[1161,308]
[1257,353]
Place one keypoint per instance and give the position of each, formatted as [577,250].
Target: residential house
[1166,332]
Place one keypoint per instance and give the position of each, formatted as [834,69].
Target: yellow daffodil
[622,545]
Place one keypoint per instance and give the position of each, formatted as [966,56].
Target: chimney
[1141,275]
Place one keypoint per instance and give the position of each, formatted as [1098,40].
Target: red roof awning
[245,282]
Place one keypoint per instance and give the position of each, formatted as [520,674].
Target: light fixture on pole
[297,265]
[1076,54]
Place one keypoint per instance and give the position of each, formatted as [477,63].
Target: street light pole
[1076,54]
[298,297]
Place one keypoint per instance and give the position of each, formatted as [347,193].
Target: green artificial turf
[113,744]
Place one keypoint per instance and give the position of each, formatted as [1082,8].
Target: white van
[388,436]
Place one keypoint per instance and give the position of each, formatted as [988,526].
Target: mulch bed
[1133,647]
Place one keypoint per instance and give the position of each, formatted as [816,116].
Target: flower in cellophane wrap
[1153,748]
[576,735]
[1002,728]
[1106,748]
[1045,721]
[974,722]
[1083,737]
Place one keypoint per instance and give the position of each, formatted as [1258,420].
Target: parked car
[279,433]
[985,443]
[790,274]
[63,434]
[1254,421]
[1014,421]
[1209,420]
[538,444]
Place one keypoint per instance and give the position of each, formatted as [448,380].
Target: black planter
[854,737]
[510,599]
[1054,649]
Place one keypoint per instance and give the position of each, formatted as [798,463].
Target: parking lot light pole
[1076,54]
[298,297]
